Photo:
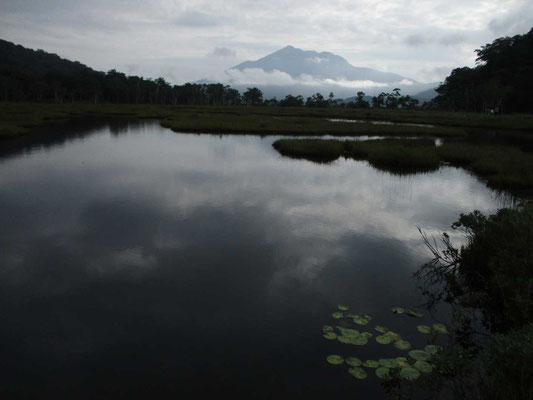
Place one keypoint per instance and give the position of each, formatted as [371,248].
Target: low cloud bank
[257,76]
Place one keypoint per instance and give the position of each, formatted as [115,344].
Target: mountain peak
[324,65]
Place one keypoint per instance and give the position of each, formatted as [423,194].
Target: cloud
[428,38]
[198,19]
[318,60]
[223,52]
[257,76]
[513,21]
[398,36]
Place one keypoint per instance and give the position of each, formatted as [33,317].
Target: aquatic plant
[383,373]
[335,359]
[423,329]
[357,372]
[354,362]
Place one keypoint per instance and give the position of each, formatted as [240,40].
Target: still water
[138,261]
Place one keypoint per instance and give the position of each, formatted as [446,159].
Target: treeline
[35,75]
[502,81]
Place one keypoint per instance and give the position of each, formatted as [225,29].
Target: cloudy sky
[186,40]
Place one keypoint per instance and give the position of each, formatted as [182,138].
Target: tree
[253,96]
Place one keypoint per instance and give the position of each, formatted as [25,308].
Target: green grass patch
[391,155]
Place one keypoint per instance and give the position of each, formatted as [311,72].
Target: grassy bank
[392,155]
[19,118]
[502,166]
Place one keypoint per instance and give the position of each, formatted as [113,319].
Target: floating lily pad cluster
[410,369]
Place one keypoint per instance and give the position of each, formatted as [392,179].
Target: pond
[136,260]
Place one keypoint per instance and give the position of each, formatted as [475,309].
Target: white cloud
[257,76]
[402,36]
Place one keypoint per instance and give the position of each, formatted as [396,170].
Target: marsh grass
[19,118]
[503,167]
[391,155]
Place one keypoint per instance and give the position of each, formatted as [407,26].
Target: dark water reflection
[139,261]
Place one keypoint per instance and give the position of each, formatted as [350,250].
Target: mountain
[295,71]
[427,95]
[325,65]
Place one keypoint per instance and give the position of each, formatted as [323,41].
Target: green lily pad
[388,362]
[354,362]
[360,341]
[414,314]
[327,328]
[337,315]
[409,373]
[356,340]
[335,359]
[433,349]
[383,339]
[398,310]
[402,345]
[368,317]
[423,329]
[348,331]
[423,366]
[371,364]
[352,316]
[330,335]
[366,335]
[419,355]
[393,335]
[343,307]
[383,373]
[357,372]
[360,320]
[382,329]
[441,328]
[402,362]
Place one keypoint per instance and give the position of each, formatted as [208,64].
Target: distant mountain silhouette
[321,72]
[323,65]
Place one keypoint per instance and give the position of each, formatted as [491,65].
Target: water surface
[140,261]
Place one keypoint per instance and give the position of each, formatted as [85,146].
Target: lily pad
[383,339]
[337,315]
[371,364]
[335,359]
[402,362]
[357,372]
[388,362]
[398,310]
[368,317]
[414,314]
[423,366]
[343,307]
[354,362]
[327,328]
[360,320]
[366,335]
[330,335]
[393,335]
[348,331]
[381,329]
[441,328]
[433,349]
[423,329]
[383,373]
[409,373]
[356,340]
[402,345]
[419,355]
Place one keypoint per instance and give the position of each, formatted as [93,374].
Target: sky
[187,40]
